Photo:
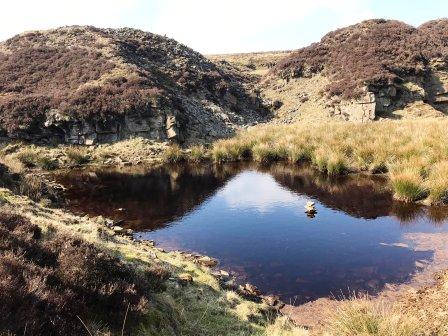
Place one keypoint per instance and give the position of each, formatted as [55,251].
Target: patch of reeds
[415,150]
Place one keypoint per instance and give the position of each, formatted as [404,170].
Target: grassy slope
[413,153]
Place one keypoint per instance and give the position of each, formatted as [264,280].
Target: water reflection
[252,219]
[146,198]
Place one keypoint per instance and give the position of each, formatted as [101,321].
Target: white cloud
[233,25]
[209,26]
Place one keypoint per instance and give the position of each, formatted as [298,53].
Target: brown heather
[47,284]
[90,73]
[373,52]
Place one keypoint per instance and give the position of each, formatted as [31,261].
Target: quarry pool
[252,220]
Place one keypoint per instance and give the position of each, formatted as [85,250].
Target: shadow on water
[145,198]
[252,219]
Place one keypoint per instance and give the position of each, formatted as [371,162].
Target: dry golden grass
[283,326]
[197,154]
[173,154]
[414,152]
[77,155]
[364,317]
[420,313]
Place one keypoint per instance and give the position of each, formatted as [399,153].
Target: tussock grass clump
[77,155]
[266,153]
[3,196]
[232,150]
[364,317]
[438,183]
[28,157]
[197,154]
[47,163]
[36,187]
[173,154]
[408,183]
[413,149]
[298,153]
[32,157]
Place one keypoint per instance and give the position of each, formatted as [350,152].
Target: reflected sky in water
[252,219]
[258,191]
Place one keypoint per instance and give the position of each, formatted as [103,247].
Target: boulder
[207,261]
[185,278]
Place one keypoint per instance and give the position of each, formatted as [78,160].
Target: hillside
[87,85]
[370,70]
[375,67]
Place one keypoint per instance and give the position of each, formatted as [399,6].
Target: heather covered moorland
[81,97]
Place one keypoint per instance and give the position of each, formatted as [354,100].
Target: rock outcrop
[367,70]
[86,85]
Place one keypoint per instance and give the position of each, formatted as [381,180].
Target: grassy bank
[21,156]
[74,270]
[414,154]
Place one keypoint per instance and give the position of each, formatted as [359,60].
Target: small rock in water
[419,264]
[310,208]
[251,289]
[207,261]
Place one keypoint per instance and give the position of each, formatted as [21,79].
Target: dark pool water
[252,220]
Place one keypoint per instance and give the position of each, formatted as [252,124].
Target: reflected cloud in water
[260,191]
[252,219]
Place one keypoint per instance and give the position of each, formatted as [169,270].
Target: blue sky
[212,26]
